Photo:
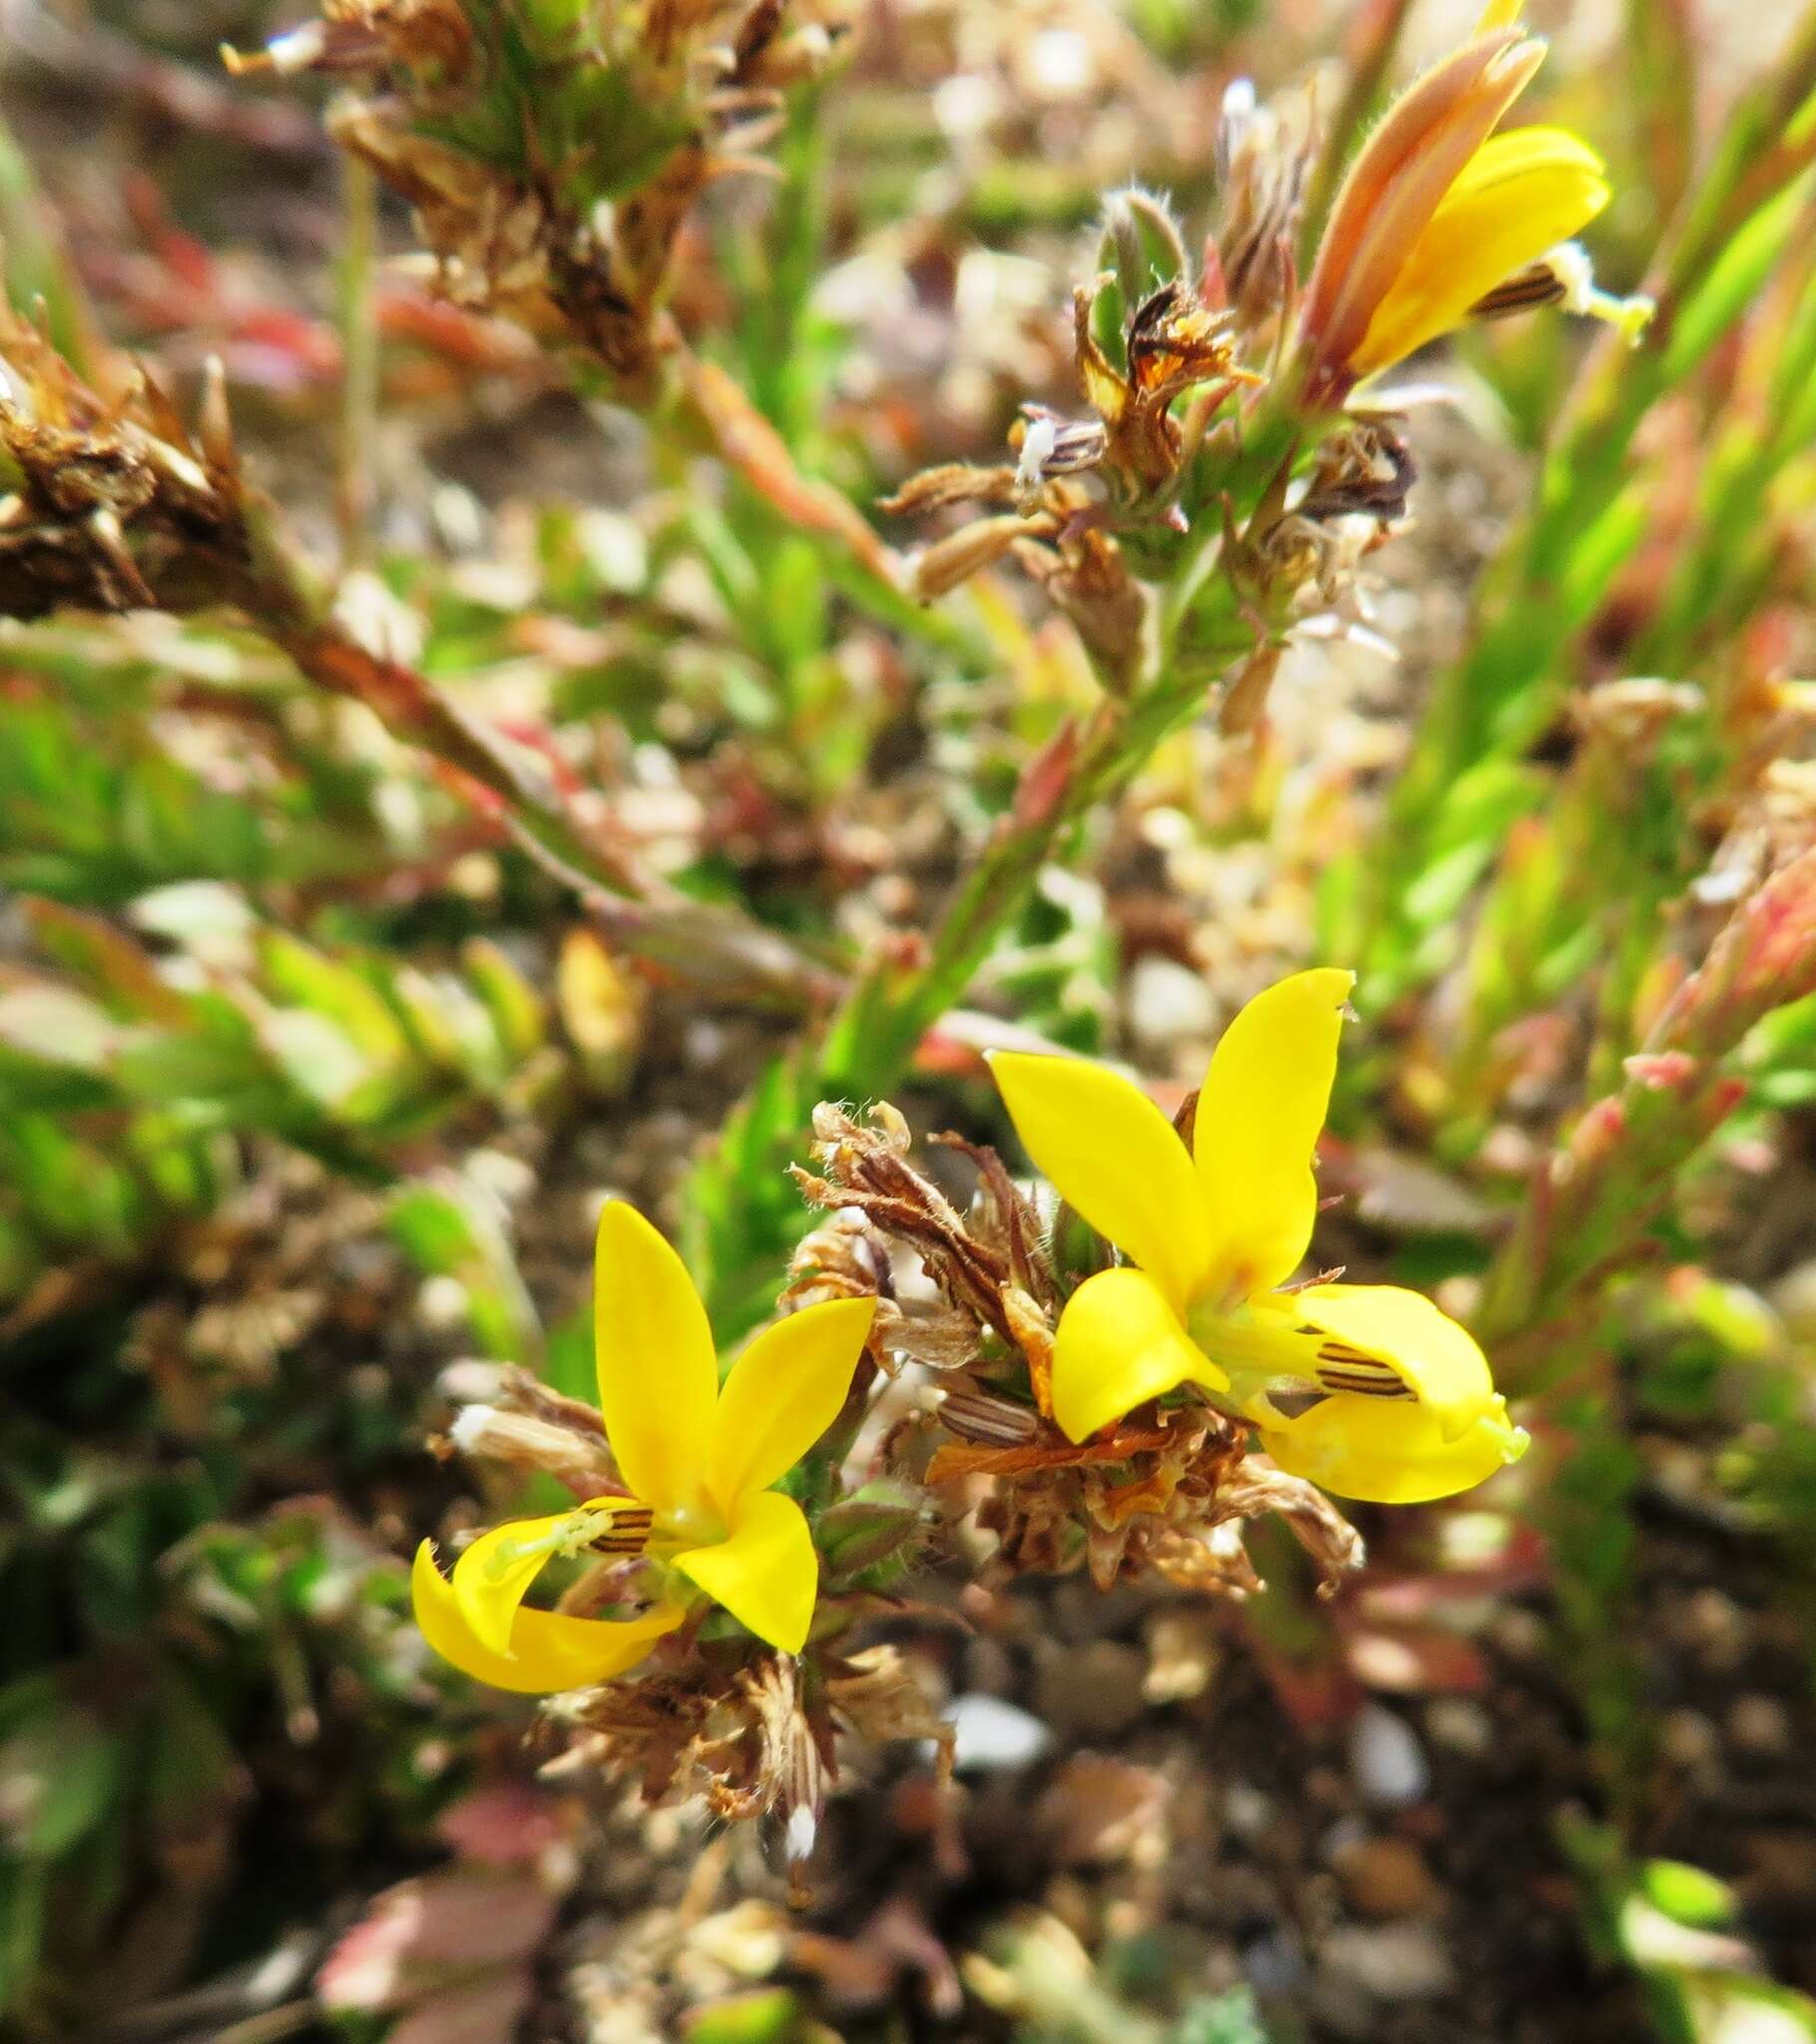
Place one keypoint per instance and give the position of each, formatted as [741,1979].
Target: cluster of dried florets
[118,503]
[752,1730]
[1231,423]
[1114,1382]
[1163,1492]
[552,155]
[754,1740]
[1080,489]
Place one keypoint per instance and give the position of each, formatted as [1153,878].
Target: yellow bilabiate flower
[699,1460]
[1521,193]
[1438,214]
[1406,1408]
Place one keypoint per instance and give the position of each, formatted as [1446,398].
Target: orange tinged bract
[1438,212]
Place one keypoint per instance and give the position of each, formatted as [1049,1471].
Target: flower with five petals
[1405,1410]
[698,1460]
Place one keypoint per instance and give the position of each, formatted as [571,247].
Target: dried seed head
[573,245]
[115,509]
[1262,165]
[1173,343]
[867,1168]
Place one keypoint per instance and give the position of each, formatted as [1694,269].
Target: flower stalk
[122,506]
[1588,517]
[1594,1201]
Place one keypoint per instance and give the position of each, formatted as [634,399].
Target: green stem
[360,371]
[741,1225]
[873,1037]
[1556,567]
[1661,63]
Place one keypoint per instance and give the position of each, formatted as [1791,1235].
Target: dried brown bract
[866,1169]
[844,1257]
[1173,343]
[118,504]
[529,1427]
[1162,1493]
[1054,531]
[1363,471]
[755,1740]
[429,37]
[1263,164]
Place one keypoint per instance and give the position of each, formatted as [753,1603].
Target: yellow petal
[658,1369]
[1390,1454]
[1114,1156]
[782,1394]
[1496,14]
[1522,193]
[1263,1103]
[1435,1359]
[1120,1342]
[766,1573]
[549,1650]
[494,1572]
[1400,175]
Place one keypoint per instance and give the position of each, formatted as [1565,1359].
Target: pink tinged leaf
[415,1933]
[506,1823]
[484,2011]
[365,1969]
[1426,1660]
[1043,785]
[1664,1071]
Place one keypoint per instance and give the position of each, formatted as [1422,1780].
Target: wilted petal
[1263,1103]
[766,1573]
[1390,1453]
[1114,1156]
[549,1650]
[782,1394]
[658,1368]
[1521,193]
[1437,1360]
[1120,1344]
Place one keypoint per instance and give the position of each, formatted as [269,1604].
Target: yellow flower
[1439,213]
[699,1460]
[1406,1409]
